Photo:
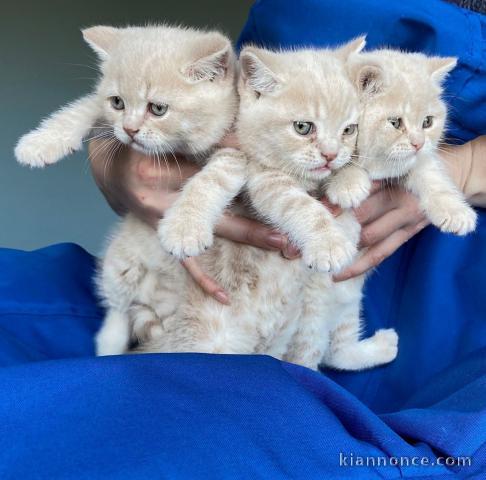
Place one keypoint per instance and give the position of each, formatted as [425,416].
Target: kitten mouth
[139,147]
[322,168]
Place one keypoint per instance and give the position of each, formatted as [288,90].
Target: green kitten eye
[117,103]
[428,121]
[396,122]
[158,109]
[303,128]
[350,129]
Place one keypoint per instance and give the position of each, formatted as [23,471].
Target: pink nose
[130,131]
[329,156]
[417,146]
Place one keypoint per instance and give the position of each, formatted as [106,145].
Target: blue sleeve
[431,26]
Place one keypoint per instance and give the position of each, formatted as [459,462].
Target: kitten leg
[311,340]
[187,229]
[114,336]
[118,281]
[442,202]
[349,186]
[60,134]
[204,330]
[323,243]
[147,325]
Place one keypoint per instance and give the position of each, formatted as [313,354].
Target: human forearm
[467,166]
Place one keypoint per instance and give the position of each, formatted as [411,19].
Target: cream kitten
[297,123]
[401,124]
[146,95]
[162,90]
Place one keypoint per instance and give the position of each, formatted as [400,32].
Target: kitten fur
[173,66]
[281,308]
[406,86]
[403,89]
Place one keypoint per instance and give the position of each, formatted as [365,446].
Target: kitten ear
[101,39]
[439,67]
[367,73]
[370,80]
[255,73]
[353,47]
[216,59]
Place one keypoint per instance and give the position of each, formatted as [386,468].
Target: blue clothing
[64,413]
[433,27]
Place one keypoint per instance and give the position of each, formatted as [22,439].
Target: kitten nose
[329,156]
[418,145]
[131,132]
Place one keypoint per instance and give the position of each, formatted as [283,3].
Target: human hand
[389,217]
[392,216]
[147,187]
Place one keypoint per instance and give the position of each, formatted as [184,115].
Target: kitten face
[298,110]
[165,89]
[404,114]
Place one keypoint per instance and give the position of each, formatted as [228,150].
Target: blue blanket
[66,414]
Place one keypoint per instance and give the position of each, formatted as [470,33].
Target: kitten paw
[329,253]
[454,218]
[183,238]
[348,196]
[36,149]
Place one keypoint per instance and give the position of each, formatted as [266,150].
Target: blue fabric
[432,26]
[220,416]
[66,414]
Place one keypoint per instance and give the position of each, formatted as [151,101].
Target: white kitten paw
[109,342]
[350,195]
[454,217]
[184,238]
[330,252]
[38,149]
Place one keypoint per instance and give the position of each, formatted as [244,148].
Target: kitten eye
[396,122]
[117,103]
[158,109]
[303,128]
[428,121]
[350,129]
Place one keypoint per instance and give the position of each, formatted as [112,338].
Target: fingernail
[222,297]
[291,252]
[275,241]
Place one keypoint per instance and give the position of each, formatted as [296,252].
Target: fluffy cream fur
[143,66]
[281,308]
[401,125]
[183,99]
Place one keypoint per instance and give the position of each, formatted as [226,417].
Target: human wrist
[458,162]
[466,164]
[475,187]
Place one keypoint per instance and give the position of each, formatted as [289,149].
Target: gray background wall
[43,64]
